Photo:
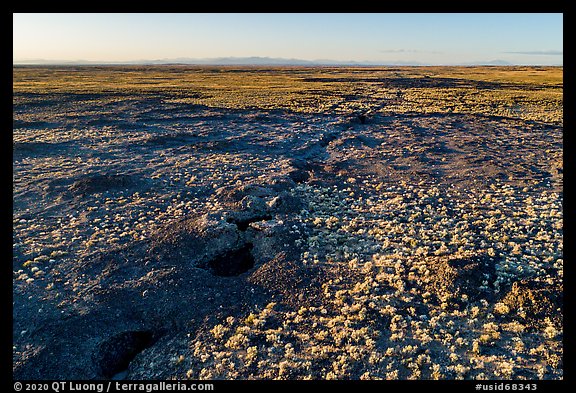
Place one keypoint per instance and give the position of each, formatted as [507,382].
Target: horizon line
[268,61]
[96,64]
[272,64]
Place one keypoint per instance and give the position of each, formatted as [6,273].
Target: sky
[435,39]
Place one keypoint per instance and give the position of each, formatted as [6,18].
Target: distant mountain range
[243,61]
[254,60]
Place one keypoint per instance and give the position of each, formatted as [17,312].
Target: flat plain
[179,222]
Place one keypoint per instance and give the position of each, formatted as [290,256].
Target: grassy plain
[528,93]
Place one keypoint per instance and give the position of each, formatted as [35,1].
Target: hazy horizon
[339,39]
[264,61]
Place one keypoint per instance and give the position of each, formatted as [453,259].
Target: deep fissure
[116,353]
[233,263]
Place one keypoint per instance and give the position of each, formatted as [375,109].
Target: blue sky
[385,38]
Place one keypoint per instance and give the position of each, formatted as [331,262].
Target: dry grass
[521,92]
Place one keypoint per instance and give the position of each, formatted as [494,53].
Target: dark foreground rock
[127,301]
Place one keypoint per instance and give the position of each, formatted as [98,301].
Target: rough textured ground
[290,223]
